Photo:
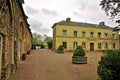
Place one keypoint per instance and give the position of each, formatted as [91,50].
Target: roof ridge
[81,23]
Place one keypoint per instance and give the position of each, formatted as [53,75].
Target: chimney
[68,19]
[102,23]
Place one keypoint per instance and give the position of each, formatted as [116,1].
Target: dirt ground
[44,64]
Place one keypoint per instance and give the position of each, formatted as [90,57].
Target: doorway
[91,46]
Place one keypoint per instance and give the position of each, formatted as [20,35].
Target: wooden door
[91,46]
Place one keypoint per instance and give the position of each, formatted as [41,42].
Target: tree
[48,40]
[36,39]
[109,66]
[112,9]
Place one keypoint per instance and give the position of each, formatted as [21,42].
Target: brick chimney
[102,23]
[68,19]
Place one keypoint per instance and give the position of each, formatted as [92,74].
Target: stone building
[15,36]
[90,36]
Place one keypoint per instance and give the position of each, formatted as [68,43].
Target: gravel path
[44,64]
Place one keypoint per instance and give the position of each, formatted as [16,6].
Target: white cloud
[29,10]
[49,12]
[44,13]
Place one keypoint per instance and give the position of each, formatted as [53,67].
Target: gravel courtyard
[45,64]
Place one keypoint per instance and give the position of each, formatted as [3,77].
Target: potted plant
[79,56]
[60,49]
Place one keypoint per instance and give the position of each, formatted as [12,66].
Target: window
[64,33]
[84,45]
[113,36]
[99,34]
[65,45]
[113,45]
[75,33]
[106,35]
[99,45]
[106,46]
[83,34]
[91,34]
[75,44]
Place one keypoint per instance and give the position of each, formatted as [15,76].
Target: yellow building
[90,36]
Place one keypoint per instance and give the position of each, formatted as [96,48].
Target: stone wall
[16,36]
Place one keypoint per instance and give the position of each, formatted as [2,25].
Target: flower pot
[23,57]
[79,59]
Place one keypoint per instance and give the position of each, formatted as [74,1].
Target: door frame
[91,46]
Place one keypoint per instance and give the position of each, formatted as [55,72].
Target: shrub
[79,51]
[109,66]
[61,48]
[49,45]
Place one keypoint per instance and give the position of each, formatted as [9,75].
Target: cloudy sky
[43,14]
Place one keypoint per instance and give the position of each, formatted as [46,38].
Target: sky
[43,14]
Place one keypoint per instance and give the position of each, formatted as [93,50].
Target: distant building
[15,36]
[90,36]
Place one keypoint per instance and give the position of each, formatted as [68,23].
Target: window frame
[99,46]
[113,45]
[64,45]
[84,44]
[106,46]
[91,34]
[99,34]
[75,44]
[106,35]
[75,33]
[83,34]
[113,36]
[64,33]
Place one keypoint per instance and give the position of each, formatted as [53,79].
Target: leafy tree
[109,66]
[112,9]
[36,39]
[48,40]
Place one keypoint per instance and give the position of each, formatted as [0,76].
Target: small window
[83,34]
[106,35]
[99,34]
[91,34]
[113,45]
[65,45]
[106,45]
[64,33]
[99,45]
[75,33]
[75,44]
[113,36]
[84,45]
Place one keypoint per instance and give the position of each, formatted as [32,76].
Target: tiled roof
[80,24]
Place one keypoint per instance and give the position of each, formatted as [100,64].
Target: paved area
[44,64]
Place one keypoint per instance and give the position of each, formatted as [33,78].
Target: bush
[49,45]
[109,66]
[61,48]
[79,51]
